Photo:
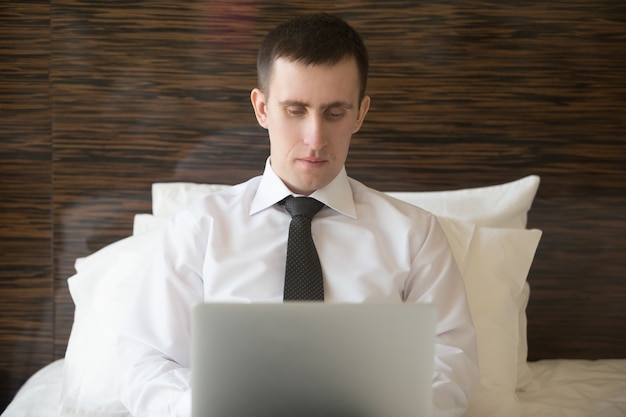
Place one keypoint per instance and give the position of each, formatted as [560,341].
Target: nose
[314,136]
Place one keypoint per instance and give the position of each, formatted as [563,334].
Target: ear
[365,106]
[260,107]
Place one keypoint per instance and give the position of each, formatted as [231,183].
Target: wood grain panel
[26,322]
[577,286]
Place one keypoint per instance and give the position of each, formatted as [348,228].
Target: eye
[334,114]
[295,111]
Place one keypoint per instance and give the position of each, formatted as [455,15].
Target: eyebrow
[341,104]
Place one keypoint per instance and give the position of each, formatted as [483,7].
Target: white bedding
[487,231]
[564,388]
[39,396]
[577,388]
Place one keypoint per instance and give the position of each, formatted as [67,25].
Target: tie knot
[302,206]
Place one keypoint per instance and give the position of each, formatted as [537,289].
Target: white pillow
[100,289]
[171,197]
[460,235]
[147,223]
[104,279]
[497,264]
[502,205]
[496,288]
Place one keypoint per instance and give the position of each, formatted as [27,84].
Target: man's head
[311,98]
[317,39]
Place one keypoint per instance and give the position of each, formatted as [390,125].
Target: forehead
[292,80]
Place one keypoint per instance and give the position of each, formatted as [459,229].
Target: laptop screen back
[312,359]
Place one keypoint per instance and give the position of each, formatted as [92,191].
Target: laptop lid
[312,359]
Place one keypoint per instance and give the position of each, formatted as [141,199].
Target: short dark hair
[312,39]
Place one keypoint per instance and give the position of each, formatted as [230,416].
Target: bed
[505,120]
[486,228]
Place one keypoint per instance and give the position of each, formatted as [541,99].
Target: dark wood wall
[26,231]
[100,99]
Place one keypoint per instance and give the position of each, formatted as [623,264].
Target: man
[231,246]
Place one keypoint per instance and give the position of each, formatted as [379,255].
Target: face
[310,113]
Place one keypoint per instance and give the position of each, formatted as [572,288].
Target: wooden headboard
[101,99]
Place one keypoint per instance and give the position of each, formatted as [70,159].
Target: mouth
[313,161]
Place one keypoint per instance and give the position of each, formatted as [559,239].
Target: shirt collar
[336,195]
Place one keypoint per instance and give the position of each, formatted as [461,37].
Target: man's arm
[436,279]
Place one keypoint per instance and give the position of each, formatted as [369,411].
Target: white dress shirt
[231,247]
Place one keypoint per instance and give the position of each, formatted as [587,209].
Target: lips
[313,160]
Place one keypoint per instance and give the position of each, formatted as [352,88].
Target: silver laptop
[312,360]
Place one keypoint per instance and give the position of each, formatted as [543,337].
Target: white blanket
[562,388]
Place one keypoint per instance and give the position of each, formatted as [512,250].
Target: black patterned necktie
[303,272]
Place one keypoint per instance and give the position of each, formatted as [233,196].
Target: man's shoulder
[225,198]
[389,215]
[364,194]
